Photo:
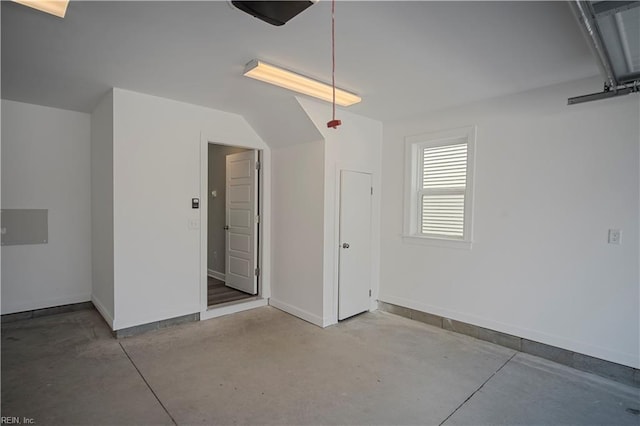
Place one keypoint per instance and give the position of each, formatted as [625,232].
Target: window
[439,188]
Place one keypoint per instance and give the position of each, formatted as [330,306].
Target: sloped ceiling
[403,58]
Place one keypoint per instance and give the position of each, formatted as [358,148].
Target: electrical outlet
[194,224]
[614,236]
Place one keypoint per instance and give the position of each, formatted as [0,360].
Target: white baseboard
[300,313]
[328,321]
[103,311]
[217,275]
[11,308]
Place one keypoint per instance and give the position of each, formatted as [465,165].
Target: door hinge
[258,219]
[372,190]
[257,165]
[257,272]
[369,292]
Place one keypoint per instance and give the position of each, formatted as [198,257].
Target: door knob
[226,227]
[345,245]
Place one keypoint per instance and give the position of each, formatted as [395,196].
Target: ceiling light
[54,7]
[289,80]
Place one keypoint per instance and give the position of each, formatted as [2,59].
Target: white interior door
[354,280]
[241,228]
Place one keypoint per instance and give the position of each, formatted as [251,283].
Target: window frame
[413,189]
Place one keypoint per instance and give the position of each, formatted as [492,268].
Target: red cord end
[334,124]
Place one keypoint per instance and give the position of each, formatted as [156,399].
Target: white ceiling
[403,58]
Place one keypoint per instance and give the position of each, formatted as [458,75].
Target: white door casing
[354,276]
[241,224]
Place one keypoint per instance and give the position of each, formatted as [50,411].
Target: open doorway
[232,224]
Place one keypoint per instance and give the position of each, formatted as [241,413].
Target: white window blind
[438,203]
[442,193]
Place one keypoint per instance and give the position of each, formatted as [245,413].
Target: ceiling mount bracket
[607,93]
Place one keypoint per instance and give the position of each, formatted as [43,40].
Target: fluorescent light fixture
[54,7]
[289,80]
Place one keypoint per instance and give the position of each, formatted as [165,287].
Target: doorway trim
[264,230]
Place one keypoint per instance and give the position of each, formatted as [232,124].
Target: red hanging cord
[333,123]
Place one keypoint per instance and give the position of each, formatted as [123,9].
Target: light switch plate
[614,236]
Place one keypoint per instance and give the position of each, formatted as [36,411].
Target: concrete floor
[266,367]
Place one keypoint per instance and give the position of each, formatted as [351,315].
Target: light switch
[614,236]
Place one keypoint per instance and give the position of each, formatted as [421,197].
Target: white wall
[159,147]
[355,145]
[102,207]
[298,191]
[282,123]
[45,165]
[550,181]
